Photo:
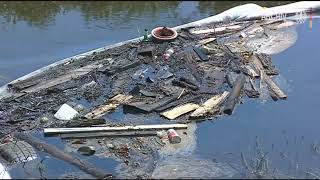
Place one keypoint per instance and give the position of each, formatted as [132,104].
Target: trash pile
[130,98]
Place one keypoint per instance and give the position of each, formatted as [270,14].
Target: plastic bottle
[145,37]
[167,54]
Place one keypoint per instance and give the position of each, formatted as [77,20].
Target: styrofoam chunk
[66,112]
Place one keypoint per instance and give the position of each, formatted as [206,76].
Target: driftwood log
[55,152]
[234,95]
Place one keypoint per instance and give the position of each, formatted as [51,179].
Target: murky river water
[37,34]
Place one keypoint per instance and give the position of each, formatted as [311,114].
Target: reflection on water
[43,13]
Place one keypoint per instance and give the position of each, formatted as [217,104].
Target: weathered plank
[211,103]
[206,41]
[51,131]
[110,105]
[150,107]
[271,85]
[85,122]
[180,110]
[61,79]
[191,64]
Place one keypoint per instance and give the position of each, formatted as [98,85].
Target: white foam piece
[66,112]
[4,174]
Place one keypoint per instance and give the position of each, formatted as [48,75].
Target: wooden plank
[274,87]
[219,30]
[211,103]
[180,110]
[206,41]
[191,65]
[150,107]
[250,71]
[61,79]
[271,85]
[123,128]
[85,122]
[110,105]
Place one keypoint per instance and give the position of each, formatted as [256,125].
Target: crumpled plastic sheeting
[179,160]
[275,42]
[191,167]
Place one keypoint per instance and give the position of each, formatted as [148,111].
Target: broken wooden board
[110,105]
[271,85]
[206,41]
[219,30]
[186,99]
[61,79]
[147,107]
[211,103]
[250,71]
[266,62]
[250,91]
[180,110]
[274,87]
[191,64]
[50,131]
[112,70]
[85,122]
[184,84]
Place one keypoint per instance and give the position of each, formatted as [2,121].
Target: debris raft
[55,152]
[207,106]
[110,105]
[180,110]
[49,131]
[234,95]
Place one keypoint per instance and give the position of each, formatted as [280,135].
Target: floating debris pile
[203,73]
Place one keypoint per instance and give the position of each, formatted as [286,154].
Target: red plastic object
[158,33]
